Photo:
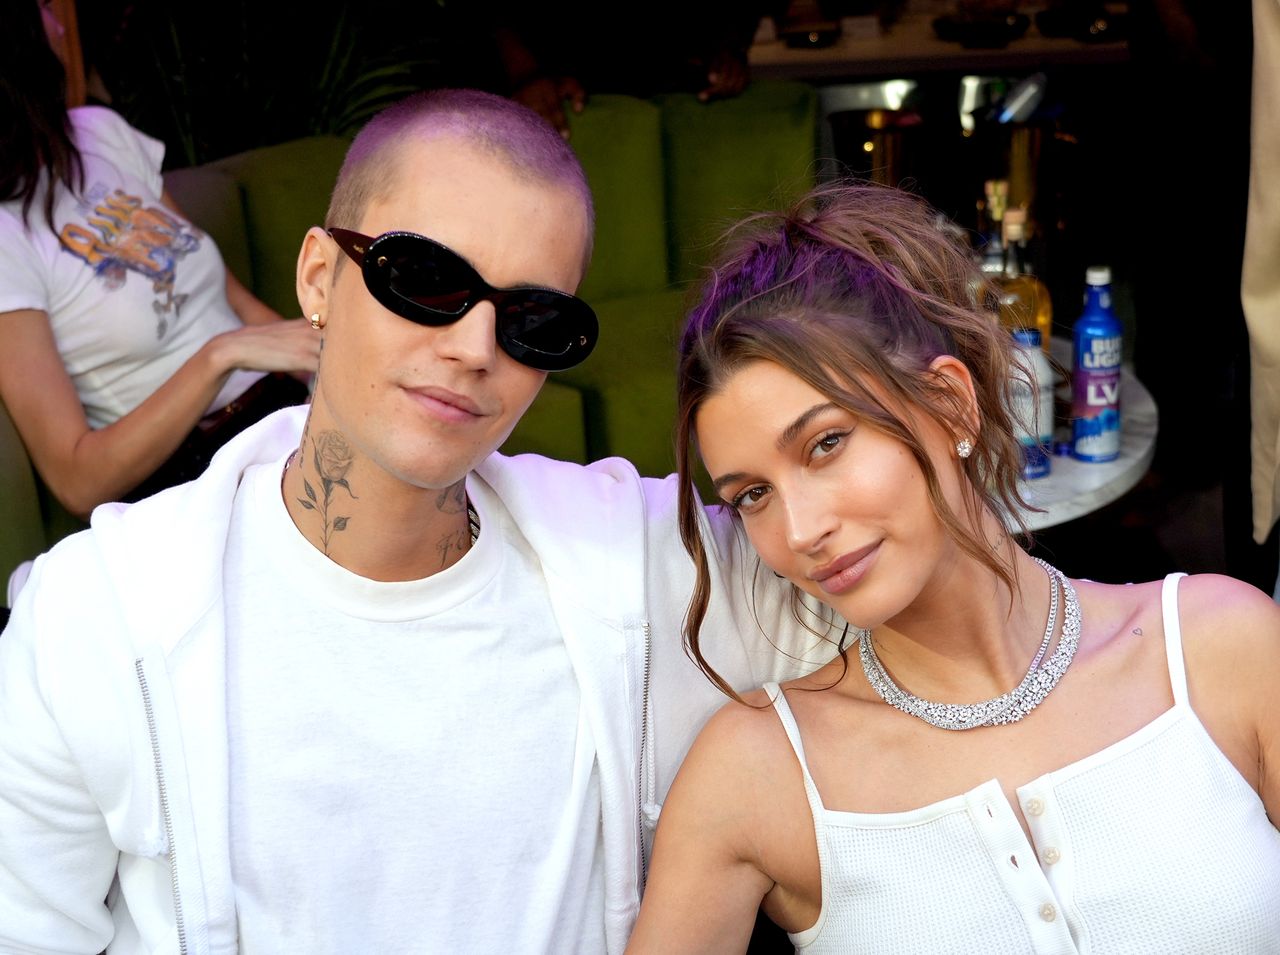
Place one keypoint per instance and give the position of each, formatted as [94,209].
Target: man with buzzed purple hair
[368,686]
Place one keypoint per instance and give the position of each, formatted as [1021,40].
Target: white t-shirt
[132,290]
[410,766]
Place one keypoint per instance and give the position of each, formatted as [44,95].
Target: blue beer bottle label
[1095,387]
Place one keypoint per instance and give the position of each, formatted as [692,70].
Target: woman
[129,352]
[1110,790]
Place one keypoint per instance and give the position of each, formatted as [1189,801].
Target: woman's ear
[957,380]
[316,266]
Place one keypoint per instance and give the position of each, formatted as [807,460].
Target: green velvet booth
[668,176]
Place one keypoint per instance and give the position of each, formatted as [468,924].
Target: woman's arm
[707,881]
[1231,642]
[85,467]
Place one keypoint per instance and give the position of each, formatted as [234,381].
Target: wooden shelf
[910,47]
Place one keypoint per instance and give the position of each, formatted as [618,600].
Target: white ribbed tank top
[1155,844]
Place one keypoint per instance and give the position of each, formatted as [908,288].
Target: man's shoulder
[610,486]
[602,473]
[165,551]
[123,540]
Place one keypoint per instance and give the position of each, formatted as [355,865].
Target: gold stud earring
[316,321]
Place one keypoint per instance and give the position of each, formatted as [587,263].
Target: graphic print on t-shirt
[122,235]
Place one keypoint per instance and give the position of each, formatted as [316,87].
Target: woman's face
[836,506]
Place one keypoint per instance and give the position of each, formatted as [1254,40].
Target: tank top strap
[1173,638]
[783,709]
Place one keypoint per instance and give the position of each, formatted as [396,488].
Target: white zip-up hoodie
[113,729]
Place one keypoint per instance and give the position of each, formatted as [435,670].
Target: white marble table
[1074,488]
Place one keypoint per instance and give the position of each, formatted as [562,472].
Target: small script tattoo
[457,542]
[333,458]
[453,500]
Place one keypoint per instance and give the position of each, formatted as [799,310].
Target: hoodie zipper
[164,805]
[644,751]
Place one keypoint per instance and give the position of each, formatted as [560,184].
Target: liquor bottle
[1024,299]
[990,218]
[991,254]
[1095,385]
[996,192]
[1033,403]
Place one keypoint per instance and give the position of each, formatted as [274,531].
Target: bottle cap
[1097,275]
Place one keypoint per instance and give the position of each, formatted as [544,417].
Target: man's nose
[472,339]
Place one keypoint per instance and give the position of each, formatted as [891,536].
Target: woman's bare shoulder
[741,727]
[736,770]
[1213,610]
[1230,636]
[1229,614]
[742,746]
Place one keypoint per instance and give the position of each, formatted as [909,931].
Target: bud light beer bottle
[1095,385]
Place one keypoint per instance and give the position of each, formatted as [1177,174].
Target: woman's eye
[746,499]
[828,443]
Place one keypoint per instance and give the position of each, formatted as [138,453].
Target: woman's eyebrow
[792,431]
[729,478]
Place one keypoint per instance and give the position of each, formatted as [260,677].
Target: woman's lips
[839,575]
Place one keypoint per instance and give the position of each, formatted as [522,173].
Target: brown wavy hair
[856,285]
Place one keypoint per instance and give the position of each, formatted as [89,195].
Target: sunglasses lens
[547,330]
[426,275]
[538,324]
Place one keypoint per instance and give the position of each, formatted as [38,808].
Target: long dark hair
[35,130]
[855,284]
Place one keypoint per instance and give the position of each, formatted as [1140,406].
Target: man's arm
[57,859]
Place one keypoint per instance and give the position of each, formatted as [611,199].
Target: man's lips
[447,404]
[839,575]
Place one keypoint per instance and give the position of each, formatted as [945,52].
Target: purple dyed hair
[527,143]
[856,290]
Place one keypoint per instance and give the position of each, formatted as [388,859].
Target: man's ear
[958,380]
[316,264]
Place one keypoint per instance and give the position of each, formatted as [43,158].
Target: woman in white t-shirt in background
[128,353]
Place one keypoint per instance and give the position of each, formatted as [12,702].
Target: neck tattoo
[1042,676]
[473,519]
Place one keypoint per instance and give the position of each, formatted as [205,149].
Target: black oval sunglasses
[430,284]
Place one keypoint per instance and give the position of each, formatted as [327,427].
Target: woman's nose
[809,522]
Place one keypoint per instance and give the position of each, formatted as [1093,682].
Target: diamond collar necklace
[1042,676]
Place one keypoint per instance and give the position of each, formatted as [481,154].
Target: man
[375,688]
